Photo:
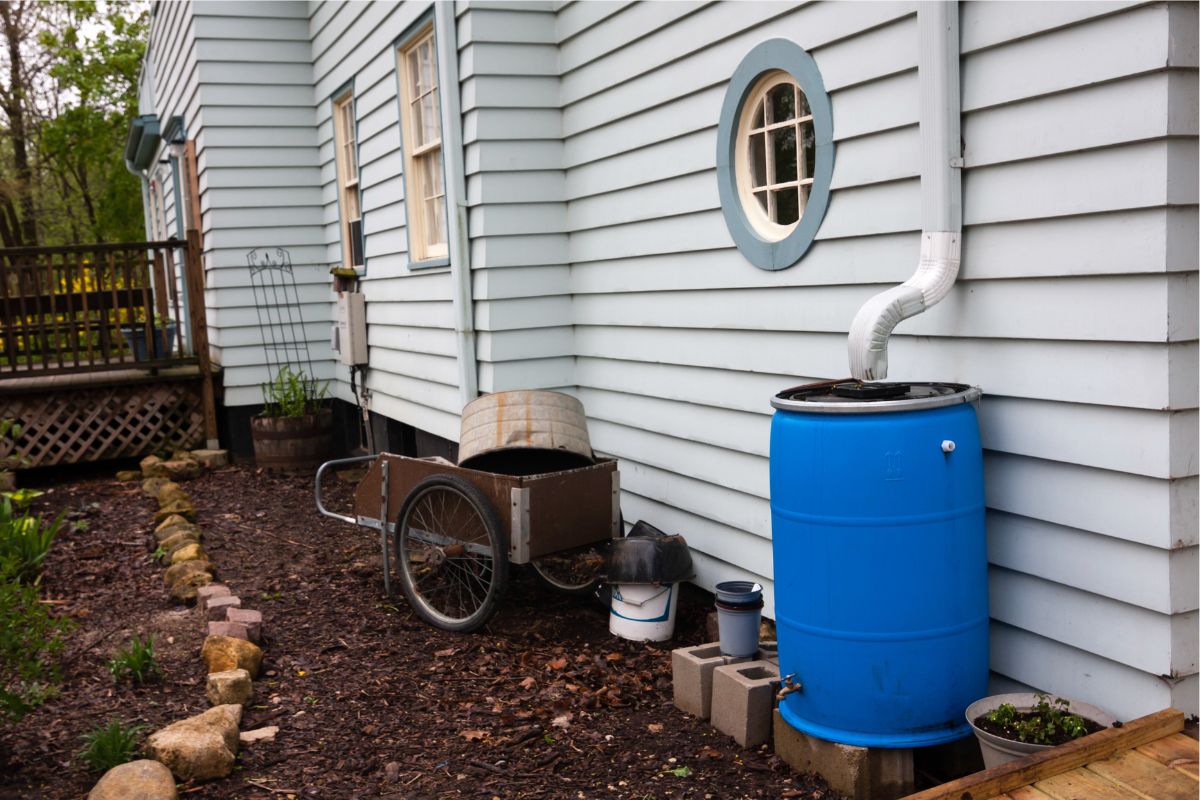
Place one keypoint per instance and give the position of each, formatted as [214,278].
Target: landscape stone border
[204,746]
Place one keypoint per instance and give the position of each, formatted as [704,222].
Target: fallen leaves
[528,683]
[473,735]
[562,720]
[655,727]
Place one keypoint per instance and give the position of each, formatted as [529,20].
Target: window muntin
[775,155]
[421,112]
[346,158]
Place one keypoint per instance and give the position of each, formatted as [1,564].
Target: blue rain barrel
[877,516]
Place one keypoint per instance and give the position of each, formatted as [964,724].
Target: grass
[135,662]
[110,745]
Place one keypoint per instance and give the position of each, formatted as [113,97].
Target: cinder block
[691,676]
[250,618]
[743,696]
[216,607]
[768,651]
[859,773]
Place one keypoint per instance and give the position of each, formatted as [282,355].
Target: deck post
[198,319]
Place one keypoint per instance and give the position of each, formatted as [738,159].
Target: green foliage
[29,639]
[25,540]
[135,662]
[21,498]
[1043,724]
[95,52]
[111,745]
[292,394]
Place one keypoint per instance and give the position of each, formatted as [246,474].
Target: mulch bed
[370,701]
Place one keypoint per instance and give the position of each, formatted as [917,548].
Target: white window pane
[758,160]
[787,205]
[781,103]
[428,80]
[418,124]
[783,142]
[758,116]
[416,87]
[429,118]
[808,146]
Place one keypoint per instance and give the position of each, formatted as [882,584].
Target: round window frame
[774,56]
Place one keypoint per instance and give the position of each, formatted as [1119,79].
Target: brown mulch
[369,700]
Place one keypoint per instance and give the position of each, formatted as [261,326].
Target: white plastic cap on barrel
[947,446]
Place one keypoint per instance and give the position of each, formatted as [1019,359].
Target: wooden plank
[1026,793]
[1082,784]
[1033,768]
[194,273]
[1177,751]
[1145,776]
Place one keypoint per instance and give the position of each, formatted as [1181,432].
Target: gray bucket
[739,614]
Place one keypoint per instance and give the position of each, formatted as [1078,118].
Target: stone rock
[182,455]
[152,467]
[136,780]
[162,533]
[234,630]
[249,617]
[179,539]
[189,552]
[212,459]
[266,734]
[181,469]
[126,475]
[185,590]
[216,607]
[150,486]
[208,592]
[199,747]
[223,653]
[170,523]
[169,492]
[182,508]
[232,686]
[178,572]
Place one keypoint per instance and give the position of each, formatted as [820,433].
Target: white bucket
[643,612]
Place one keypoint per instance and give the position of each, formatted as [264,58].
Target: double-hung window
[420,111]
[346,145]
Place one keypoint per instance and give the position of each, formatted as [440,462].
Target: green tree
[95,55]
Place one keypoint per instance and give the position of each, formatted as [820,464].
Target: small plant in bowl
[1048,722]
[292,394]
[1009,726]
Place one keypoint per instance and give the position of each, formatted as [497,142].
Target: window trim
[418,257]
[342,97]
[773,56]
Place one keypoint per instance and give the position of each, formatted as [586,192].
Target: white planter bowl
[997,750]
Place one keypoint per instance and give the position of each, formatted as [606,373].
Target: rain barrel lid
[855,397]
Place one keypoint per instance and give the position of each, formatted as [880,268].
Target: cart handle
[317,490]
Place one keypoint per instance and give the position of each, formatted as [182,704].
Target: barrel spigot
[789,685]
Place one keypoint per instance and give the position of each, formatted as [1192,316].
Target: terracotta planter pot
[292,444]
[998,750]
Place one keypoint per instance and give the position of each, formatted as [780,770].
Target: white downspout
[456,202]
[941,196]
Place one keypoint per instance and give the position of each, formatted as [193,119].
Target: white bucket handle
[637,603]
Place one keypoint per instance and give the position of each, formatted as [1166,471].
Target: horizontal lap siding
[1075,308]
[410,323]
[256,159]
[512,129]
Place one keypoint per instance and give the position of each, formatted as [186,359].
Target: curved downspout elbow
[941,197]
[879,316]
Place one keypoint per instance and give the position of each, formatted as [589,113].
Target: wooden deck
[1147,759]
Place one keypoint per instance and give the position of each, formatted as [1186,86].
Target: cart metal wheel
[574,572]
[452,553]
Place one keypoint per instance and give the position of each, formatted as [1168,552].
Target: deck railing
[98,307]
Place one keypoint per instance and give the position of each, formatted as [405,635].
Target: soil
[370,702]
[1009,732]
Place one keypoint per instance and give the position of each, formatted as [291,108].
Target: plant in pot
[1011,726]
[162,332]
[294,430]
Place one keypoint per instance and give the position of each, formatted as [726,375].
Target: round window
[775,154]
